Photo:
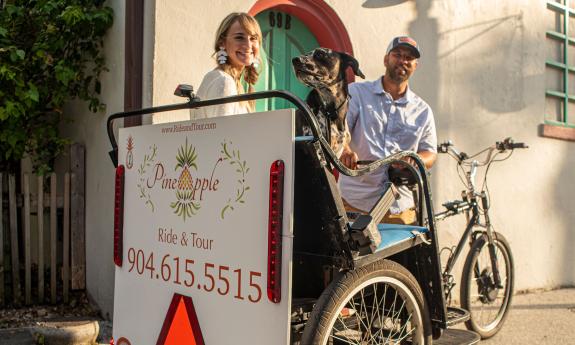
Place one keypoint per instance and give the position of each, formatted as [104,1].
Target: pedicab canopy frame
[427,264]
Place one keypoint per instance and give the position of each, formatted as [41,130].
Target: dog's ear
[350,61]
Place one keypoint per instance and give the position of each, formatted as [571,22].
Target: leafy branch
[50,53]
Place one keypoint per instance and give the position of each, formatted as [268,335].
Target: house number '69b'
[277,20]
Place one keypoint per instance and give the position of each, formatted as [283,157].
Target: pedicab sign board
[195,242]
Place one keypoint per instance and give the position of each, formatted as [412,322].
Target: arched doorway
[290,28]
[284,37]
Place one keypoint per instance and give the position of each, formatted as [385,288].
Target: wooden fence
[46,223]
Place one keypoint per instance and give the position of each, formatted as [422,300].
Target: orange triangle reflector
[181,324]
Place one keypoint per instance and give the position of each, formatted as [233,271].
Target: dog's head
[325,71]
[324,67]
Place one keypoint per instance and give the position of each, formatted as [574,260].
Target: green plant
[50,52]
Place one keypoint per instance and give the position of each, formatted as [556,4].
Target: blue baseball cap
[404,41]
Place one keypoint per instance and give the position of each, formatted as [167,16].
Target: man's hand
[408,160]
[427,157]
[349,158]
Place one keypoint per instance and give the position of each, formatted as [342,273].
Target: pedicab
[231,230]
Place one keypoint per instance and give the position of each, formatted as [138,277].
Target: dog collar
[333,114]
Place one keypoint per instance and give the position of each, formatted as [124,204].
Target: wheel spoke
[395,314]
[359,317]
[379,304]
[346,340]
[342,321]
[406,334]
[391,320]
[406,324]
[400,331]
[392,307]
[375,306]
[380,315]
[369,320]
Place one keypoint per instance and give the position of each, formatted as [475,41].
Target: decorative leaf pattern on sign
[149,159]
[241,168]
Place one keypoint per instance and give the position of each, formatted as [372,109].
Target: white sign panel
[195,243]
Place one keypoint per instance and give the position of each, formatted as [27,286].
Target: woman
[237,49]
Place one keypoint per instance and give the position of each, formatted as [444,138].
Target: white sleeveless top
[216,84]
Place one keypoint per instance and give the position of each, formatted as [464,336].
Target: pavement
[536,317]
[56,336]
[540,317]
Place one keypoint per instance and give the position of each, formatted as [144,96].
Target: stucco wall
[482,71]
[185,34]
[90,129]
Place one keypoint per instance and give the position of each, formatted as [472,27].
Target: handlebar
[506,145]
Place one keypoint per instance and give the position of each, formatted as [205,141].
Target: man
[386,117]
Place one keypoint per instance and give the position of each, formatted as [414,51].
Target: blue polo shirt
[381,126]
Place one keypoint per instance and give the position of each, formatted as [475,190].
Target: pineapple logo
[185,206]
[129,155]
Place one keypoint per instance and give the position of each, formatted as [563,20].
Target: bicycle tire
[482,284]
[380,303]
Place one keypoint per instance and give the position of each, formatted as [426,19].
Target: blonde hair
[250,73]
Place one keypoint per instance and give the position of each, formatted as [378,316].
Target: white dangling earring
[256,63]
[222,56]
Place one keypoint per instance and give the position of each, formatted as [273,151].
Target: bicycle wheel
[380,303]
[488,304]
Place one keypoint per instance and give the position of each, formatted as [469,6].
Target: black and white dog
[325,71]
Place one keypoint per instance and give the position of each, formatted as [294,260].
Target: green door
[284,37]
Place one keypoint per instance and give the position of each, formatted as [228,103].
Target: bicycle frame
[469,205]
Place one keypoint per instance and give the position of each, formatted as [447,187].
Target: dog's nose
[296,61]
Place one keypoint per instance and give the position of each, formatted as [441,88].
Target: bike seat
[401,176]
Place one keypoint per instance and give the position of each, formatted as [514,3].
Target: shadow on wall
[485,63]
[427,79]
[486,59]
[562,192]
[425,30]
[499,63]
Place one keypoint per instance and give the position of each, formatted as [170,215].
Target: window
[560,71]
[560,68]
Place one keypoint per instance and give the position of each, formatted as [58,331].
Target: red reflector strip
[119,216]
[275,231]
